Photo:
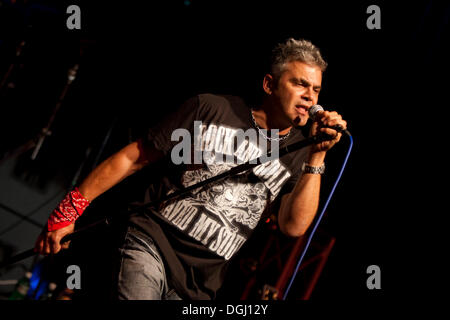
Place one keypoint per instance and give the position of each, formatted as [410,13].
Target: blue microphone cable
[313,230]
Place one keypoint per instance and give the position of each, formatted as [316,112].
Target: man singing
[180,250]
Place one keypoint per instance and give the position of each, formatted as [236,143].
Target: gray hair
[295,50]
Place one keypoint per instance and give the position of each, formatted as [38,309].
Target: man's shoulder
[219,99]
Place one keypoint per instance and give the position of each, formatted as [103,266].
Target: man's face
[295,92]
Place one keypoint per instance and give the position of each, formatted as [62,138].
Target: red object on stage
[274,267]
[68,210]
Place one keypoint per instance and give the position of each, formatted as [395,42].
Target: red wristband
[68,210]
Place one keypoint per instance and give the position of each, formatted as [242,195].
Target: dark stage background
[139,61]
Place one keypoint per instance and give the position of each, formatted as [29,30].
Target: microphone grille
[313,110]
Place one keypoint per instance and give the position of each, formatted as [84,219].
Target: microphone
[313,113]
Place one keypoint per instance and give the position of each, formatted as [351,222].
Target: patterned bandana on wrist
[68,210]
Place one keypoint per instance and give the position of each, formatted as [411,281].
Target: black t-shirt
[198,233]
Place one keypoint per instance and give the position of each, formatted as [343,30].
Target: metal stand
[279,257]
[37,142]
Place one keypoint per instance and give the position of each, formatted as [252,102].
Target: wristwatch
[315,170]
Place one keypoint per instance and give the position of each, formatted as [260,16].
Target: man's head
[294,81]
[295,50]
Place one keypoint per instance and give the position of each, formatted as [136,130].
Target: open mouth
[303,110]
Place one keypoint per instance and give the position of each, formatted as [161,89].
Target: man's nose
[307,99]
[307,96]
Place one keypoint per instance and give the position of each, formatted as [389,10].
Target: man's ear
[268,84]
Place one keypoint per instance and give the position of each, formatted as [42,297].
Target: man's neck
[266,120]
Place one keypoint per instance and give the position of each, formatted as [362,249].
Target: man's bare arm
[298,208]
[119,166]
[109,173]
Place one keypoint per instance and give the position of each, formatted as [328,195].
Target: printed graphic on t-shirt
[222,215]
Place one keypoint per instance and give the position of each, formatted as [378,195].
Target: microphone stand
[12,66]
[233,171]
[46,131]
[37,142]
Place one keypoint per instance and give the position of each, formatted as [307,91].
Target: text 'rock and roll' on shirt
[198,233]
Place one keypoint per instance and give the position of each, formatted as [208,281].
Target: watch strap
[306,168]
